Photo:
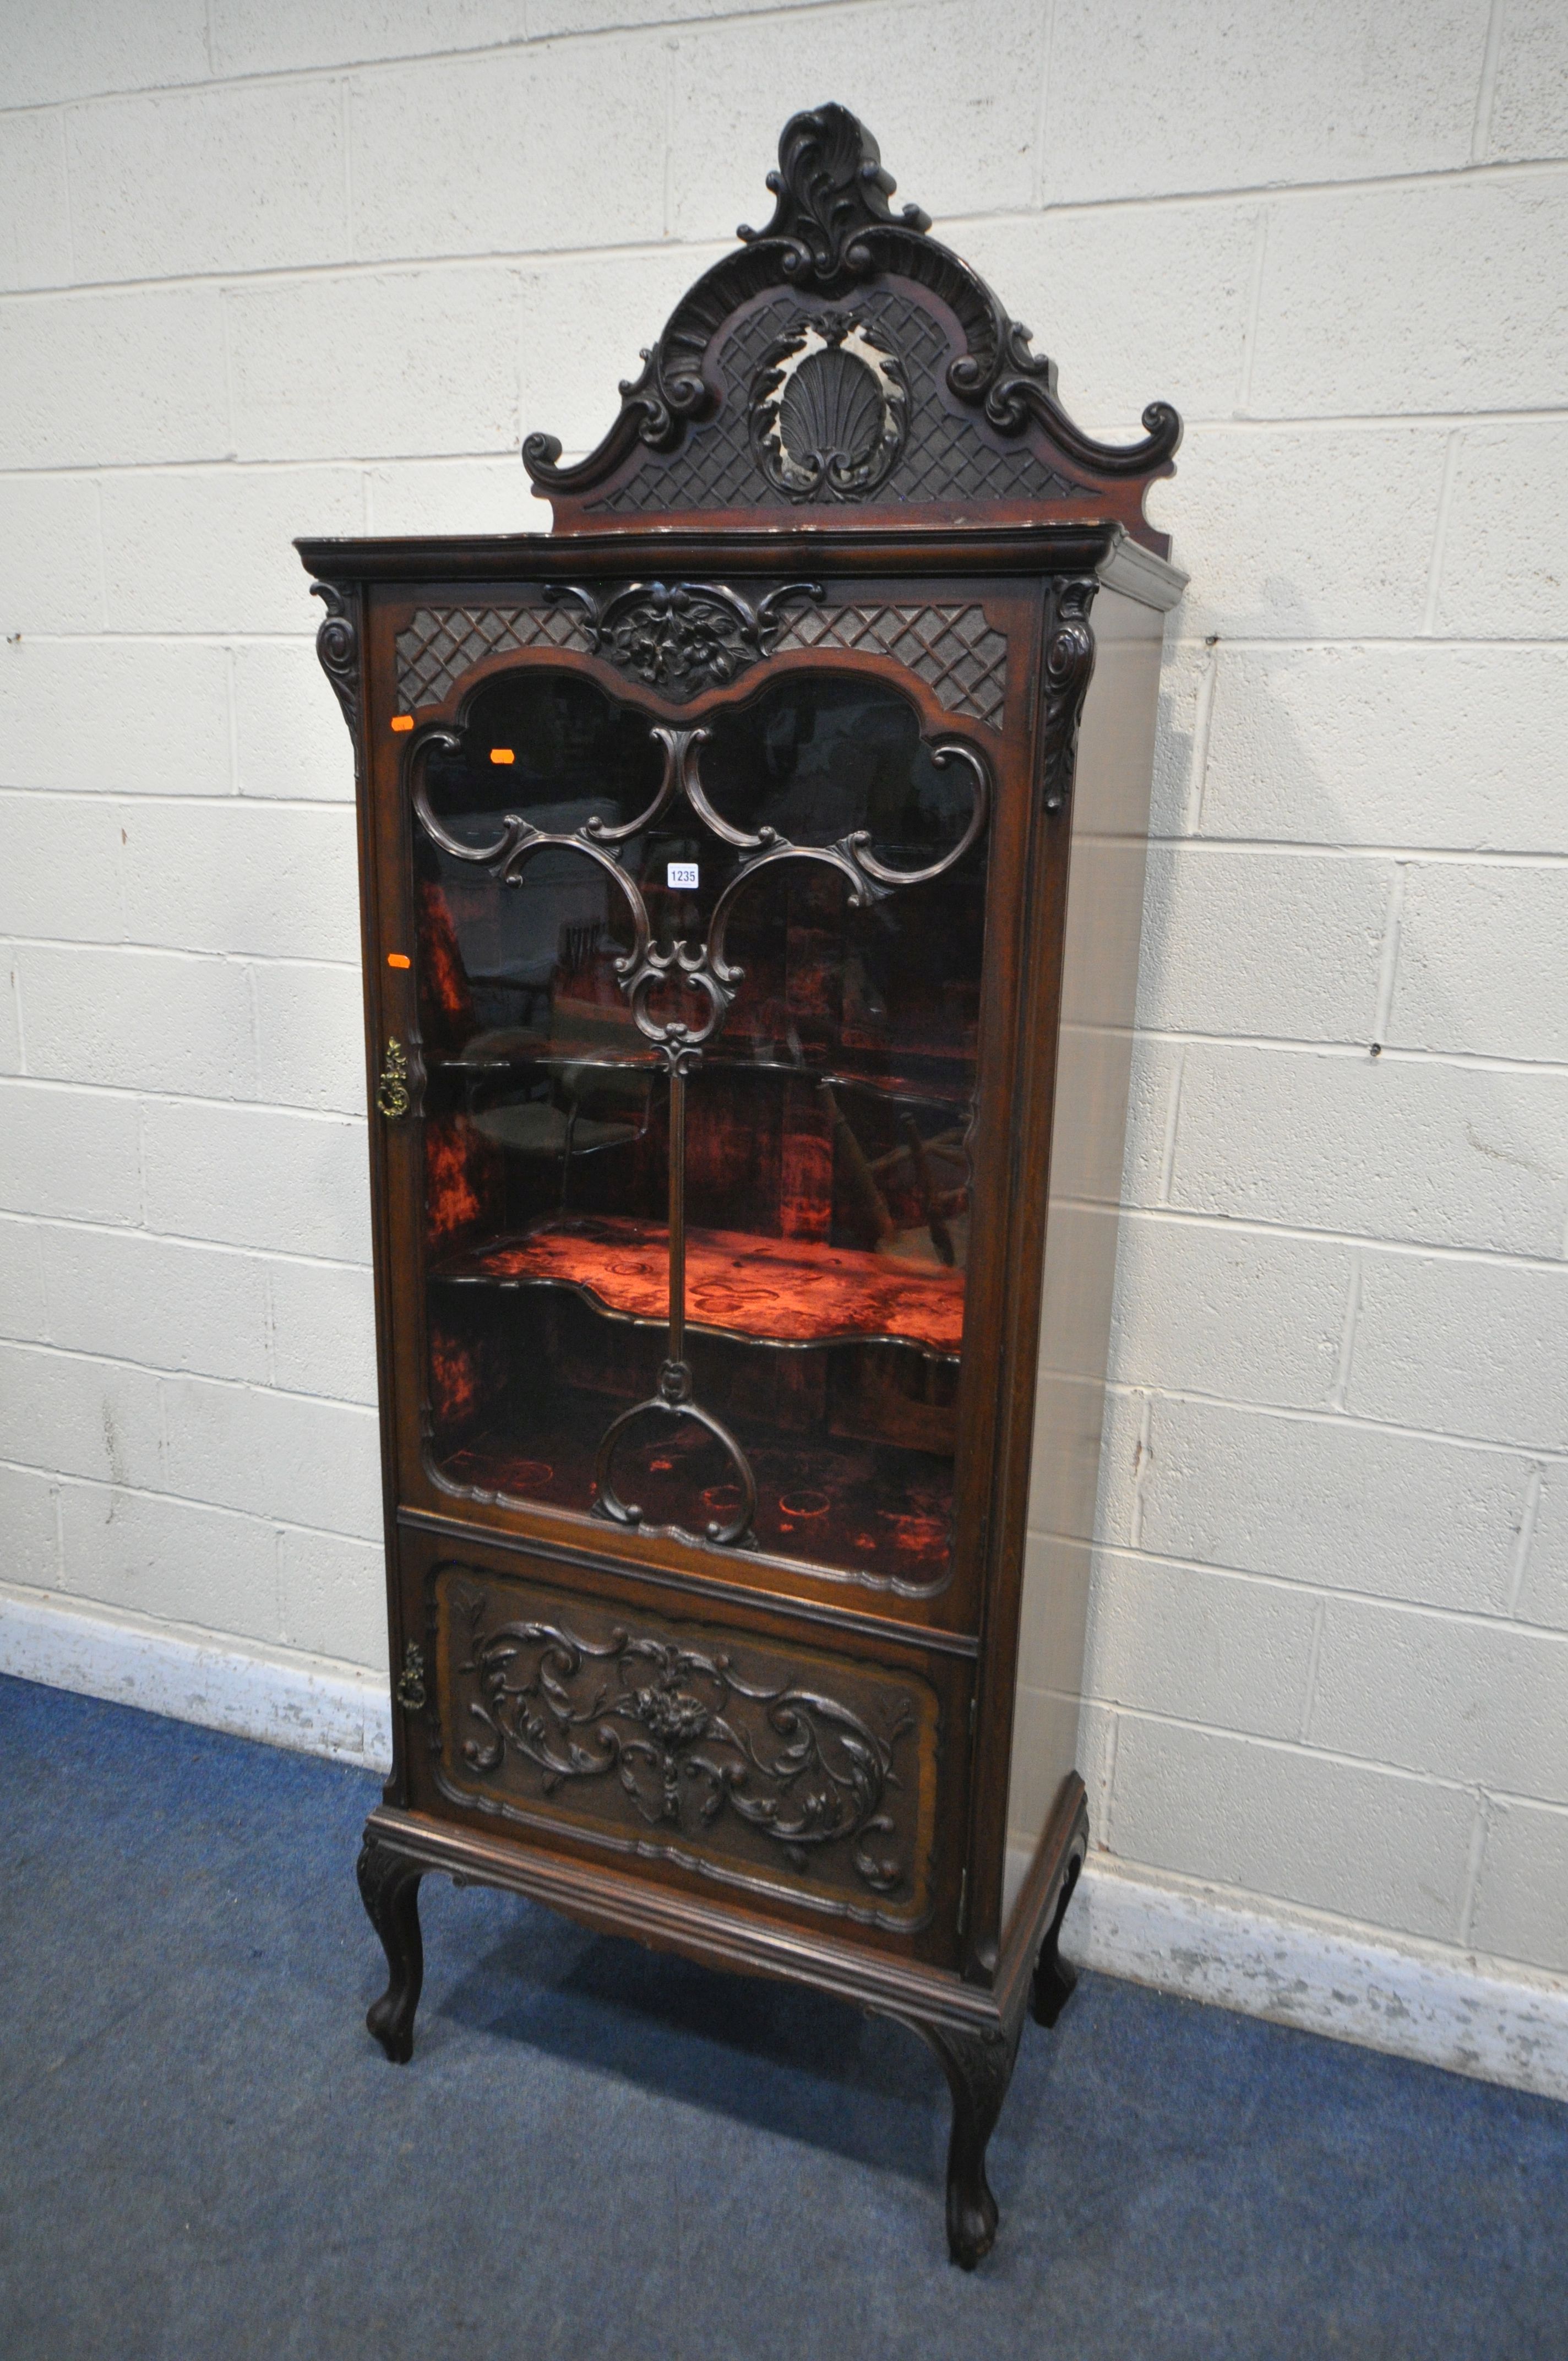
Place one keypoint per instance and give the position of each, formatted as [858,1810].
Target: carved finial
[831,184]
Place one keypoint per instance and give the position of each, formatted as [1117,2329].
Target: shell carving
[829,409]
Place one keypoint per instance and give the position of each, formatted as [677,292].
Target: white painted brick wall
[274,268]
[140,376]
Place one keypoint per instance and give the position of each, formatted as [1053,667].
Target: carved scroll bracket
[1069,663]
[337,648]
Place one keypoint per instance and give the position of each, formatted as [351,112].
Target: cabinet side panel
[1111,802]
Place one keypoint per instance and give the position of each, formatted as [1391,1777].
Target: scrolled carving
[1070,662]
[337,649]
[831,190]
[943,752]
[656,406]
[703,967]
[687,1738]
[1013,385]
[948,455]
[681,637]
[675,1397]
[834,234]
[706,967]
[507,854]
[831,186]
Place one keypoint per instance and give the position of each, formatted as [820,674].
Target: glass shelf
[522,1052]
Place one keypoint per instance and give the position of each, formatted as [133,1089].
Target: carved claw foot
[1055,1981]
[389,1886]
[979,2067]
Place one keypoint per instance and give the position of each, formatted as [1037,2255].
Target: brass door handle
[392,1089]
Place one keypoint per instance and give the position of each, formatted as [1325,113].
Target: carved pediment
[843,359]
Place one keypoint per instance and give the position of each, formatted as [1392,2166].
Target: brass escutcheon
[392,1089]
[410,1681]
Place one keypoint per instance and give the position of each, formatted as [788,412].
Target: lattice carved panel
[947,457]
[953,649]
[959,655]
[441,643]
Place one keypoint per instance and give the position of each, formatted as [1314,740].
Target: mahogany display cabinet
[752,876]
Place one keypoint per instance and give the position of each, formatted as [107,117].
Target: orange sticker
[397,958]
[403,721]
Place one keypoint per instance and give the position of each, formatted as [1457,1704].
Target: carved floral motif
[685,1737]
[681,637]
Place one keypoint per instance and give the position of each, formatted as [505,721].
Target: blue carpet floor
[597,2152]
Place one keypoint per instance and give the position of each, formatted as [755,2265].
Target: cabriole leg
[389,1886]
[1054,1980]
[979,2067]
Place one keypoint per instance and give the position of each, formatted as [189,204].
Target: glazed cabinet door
[686,1190]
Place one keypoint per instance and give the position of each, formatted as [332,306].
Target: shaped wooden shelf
[789,1291]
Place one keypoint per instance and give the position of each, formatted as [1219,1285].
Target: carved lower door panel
[757,1763]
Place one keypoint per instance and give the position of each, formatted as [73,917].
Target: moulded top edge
[1138,574]
[1033,549]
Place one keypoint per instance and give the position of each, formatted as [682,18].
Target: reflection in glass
[822,1190]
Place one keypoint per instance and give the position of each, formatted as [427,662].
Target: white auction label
[682,875]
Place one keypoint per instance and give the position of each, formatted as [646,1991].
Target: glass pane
[506,970]
[823,1195]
